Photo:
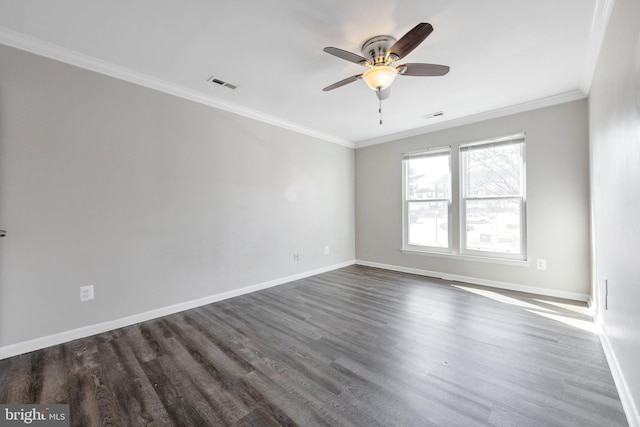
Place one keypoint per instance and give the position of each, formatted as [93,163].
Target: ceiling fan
[379,53]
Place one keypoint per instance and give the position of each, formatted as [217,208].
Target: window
[492,208]
[427,200]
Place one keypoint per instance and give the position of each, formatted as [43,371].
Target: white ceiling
[502,54]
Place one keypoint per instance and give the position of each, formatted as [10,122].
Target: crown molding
[49,50]
[600,22]
[493,114]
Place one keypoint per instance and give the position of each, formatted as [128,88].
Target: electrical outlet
[326,250]
[296,256]
[541,264]
[86,293]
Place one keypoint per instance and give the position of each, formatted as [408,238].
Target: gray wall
[557,200]
[614,110]
[153,199]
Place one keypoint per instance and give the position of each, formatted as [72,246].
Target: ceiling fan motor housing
[375,50]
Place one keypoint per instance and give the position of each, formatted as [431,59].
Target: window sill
[504,261]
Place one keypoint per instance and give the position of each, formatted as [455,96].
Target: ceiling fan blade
[343,54]
[410,41]
[342,82]
[422,69]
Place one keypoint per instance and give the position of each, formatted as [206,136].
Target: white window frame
[438,151]
[521,199]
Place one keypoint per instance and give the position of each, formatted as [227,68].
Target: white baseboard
[576,296]
[626,398]
[86,331]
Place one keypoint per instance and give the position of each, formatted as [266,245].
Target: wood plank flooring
[356,346]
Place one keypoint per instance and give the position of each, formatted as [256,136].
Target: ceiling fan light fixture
[379,76]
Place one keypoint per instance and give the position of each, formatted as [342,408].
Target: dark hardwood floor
[356,346]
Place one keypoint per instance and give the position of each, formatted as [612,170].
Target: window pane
[428,224]
[494,171]
[493,225]
[428,178]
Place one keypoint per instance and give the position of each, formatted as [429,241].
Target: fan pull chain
[380,106]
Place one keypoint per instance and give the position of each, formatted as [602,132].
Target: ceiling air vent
[432,115]
[222,83]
